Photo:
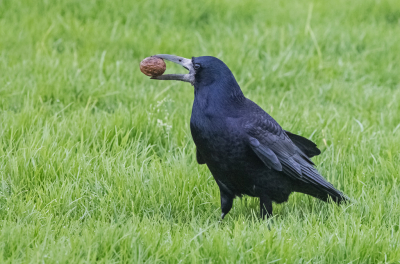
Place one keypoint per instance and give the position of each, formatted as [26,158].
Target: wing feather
[272,145]
[265,154]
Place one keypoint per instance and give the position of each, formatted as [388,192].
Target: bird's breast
[217,138]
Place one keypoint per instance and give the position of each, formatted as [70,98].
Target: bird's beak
[186,63]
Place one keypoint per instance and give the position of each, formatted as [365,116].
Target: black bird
[246,150]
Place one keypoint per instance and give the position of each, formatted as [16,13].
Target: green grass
[97,163]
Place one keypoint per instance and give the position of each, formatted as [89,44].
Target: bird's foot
[270,222]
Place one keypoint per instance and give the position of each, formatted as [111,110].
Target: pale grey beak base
[186,63]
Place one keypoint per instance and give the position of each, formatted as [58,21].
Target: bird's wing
[265,154]
[273,146]
[307,146]
[199,158]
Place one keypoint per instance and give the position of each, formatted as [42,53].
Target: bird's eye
[196,66]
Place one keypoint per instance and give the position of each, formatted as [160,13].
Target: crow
[246,150]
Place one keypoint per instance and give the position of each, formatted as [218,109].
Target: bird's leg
[265,206]
[226,202]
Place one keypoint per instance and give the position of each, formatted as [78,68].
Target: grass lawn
[97,163]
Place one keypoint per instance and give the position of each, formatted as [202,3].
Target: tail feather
[305,145]
[320,187]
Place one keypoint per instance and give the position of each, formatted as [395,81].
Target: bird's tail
[324,194]
[337,196]
[321,188]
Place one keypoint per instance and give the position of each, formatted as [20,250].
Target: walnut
[153,66]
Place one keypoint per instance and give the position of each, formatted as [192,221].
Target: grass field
[97,163]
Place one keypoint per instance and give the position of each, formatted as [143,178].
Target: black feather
[265,154]
[199,158]
[307,146]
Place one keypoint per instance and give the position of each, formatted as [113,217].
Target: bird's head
[212,79]
[203,71]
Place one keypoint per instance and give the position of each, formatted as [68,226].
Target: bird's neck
[223,97]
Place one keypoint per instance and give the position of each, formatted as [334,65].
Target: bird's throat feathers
[221,93]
